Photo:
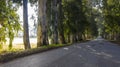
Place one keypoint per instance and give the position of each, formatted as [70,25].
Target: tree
[2,22]
[111,15]
[13,22]
[74,19]
[42,37]
[25,22]
[55,21]
[9,23]
[25,25]
[60,22]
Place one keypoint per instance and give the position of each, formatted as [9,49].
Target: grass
[18,51]
[116,42]
[7,55]
[15,48]
[18,46]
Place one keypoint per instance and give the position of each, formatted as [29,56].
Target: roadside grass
[19,46]
[116,42]
[18,51]
[15,48]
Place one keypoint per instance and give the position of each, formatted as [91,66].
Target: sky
[30,21]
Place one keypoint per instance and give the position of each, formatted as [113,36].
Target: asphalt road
[96,53]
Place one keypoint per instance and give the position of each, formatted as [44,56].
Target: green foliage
[111,13]
[2,22]
[79,18]
[10,22]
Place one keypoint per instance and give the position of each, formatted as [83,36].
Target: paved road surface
[96,53]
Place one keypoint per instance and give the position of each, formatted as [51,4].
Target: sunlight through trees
[61,21]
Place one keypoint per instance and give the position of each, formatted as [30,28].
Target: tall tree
[42,37]
[25,25]
[55,21]
[111,15]
[60,22]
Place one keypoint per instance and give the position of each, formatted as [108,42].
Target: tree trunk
[42,37]
[80,37]
[60,22]
[11,37]
[68,38]
[55,33]
[72,38]
[10,43]
[25,25]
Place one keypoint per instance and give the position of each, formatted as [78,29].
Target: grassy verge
[6,56]
[116,42]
